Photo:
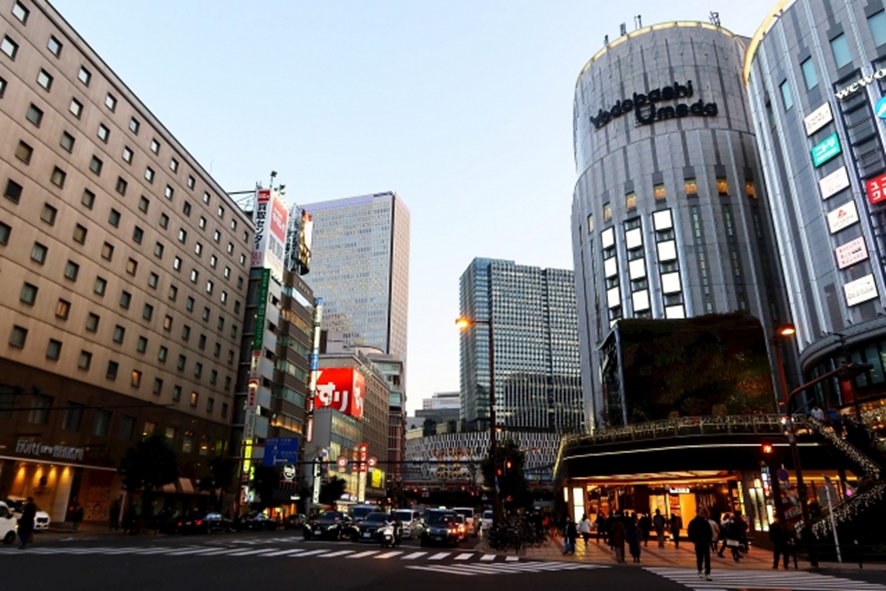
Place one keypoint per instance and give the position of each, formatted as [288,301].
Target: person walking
[715,532]
[76,518]
[645,526]
[569,535]
[600,523]
[700,534]
[26,522]
[114,515]
[742,532]
[732,535]
[617,536]
[658,522]
[780,538]
[633,532]
[584,528]
[676,526]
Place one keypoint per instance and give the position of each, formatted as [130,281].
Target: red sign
[341,388]
[372,462]
[279,218]
[342,462]
[363,454]
[877,189]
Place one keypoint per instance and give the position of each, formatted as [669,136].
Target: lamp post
[465,323]
[788,330]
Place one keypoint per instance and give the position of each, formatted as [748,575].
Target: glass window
[690,187]
[113,366]
[191,182]
[63,309]
[95,165]
[88,198]
[153,280]
[9,47]
[92,321]
[13,191]
[176,393]
[24,152]
[188,438]
[167,322]
[35,115]
[100,286]
[79,234]
[48,214]
[73,416]
[38,253]
[55,46]
[28,294]
[121,185]
[162,354]
[125,299]
[111,102]
[143,204]
[119,334]
[5,231]
[76,108]
[840,49]
[103,132]
[877,23]
[164,221]
[18,336]
[44,79]
[631,200]
[114,218]
[155,146]
[169,192]
[138,235]
[136,380]
[20,12]
[158,389]
[85,360]
[148,312]
[149,174]
[84,76]
[71,270]
[809,75]
[102,423]
[206,198]
[750,188]
[786,96]
[127,428]
[158,250]
[722,186]
[142,345]
[67,141]
[173,165]
[53,349]
[134,125]
[607,212]
[177,263]
[39,413]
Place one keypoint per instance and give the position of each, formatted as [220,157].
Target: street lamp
[785,331]
[465,323]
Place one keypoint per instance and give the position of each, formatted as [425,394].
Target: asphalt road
[283,560]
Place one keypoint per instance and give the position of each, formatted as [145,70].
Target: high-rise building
[670,216]
[535,332]
[360,267]
[816,78]
[442,401]
[125,268]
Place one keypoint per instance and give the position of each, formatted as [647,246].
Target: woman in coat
[617,536]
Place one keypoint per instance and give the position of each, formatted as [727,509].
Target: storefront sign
[834,183]
[645,111]
[679,490]
[824,151]
[40,450]
[880,108]
[877,189]
[842,217]
[818,118]
[851,253]
[860,290]
[860,83]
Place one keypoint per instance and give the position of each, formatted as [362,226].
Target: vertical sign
[269,243]
[257,346]
[825,150]
[876,188]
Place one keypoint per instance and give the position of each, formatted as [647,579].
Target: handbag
[733,543]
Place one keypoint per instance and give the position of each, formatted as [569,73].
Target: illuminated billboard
[305,237]
[341,388]
[269,244]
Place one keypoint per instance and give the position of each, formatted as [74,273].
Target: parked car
[202,523]
[7,524]
[330,525]
[359,512]
[441,528]
[411,520]
[41,518]
[486,520]
[257,522]
[368,529]
[294,521]
[470,521]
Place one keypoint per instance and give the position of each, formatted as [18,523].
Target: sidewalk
[61,532]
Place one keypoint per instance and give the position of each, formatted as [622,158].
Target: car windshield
[487,514]
[441,518]
[362,511]
[465,512]
[377,518]
[331,516]
[403,515]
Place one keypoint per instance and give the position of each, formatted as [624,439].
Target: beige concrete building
[124,268]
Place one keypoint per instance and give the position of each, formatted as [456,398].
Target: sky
[462,108]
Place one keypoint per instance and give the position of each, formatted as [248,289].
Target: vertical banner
[269,243]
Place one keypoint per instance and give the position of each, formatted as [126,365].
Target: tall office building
[535,334]
[670,218]
[125,268]
[360,267]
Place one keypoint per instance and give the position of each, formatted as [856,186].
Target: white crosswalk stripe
[309,553]
[502,568]
[387,555]
[414,555]
[334,554]
[439,556]
[464,556]
[747,579]
[364,554]
[487,557]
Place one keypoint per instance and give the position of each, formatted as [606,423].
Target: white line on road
[413,556]
[387,555]
[443,569]
[310,553]
[488,557]
[512,559]
[439,556]
[464,556]
[248,552]
[283,552]
[334,554]
[364,554]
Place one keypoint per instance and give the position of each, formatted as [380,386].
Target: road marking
[503,568]
[364,554]
[190,551]
[333,554]
[464,556]
[443,569]
[248,552]
[487,557]
[440,556]
[745,579]
[413,556]
[310,553]
[512,559]
[387,555]
[283,552]
[220,552]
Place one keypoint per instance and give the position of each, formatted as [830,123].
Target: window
[92,321]
[5,231]
[607,212]
[210,402]
[194,398]
[88,198]
[191,182]
[136,379]
[48,214]
[164,221]
[221,212]
[149,174]
[243,256]
[54,46]
[119,334]
[216,350]
[20,12]
[108,251]
[186,208]
[111,102]
[44,79]
[221,322]
[28,294]
[198,370]
[224,410]
[224,297]
[80,234]
[155,146]
[631,200]
[73,416]
[750,188]
[127,428]
[121,185]
[176,393]
[234,330]
[62,309]
[153,280]
[173,292]
[143,204]
[138,235]
[809,75]
[102,423]
[188,438]
[227,273]
[158,389]
[230,356]
[148,312]
[206,198]
[38,253]
[186,332]
[84,76]
[67,141]
[134,125]
[100,286]
[127,155]
[113,366]
[158,250]
[72,269]
[786,96]
[35,115]
[722,186]
[103,133]
[236,306]
[162,354]
[233,224]
[76,108]
[177,263]
[202,341]
[9,47]
[169,192]
[114,218]
[58,177]
[198,248]
[245,236]
[189,304]
[167,323]
[39,414]
[877,23]
[125,300]
[182,236]
[840,49]
[13,191]
[53,349]
[173,165]
[202,223]
[18,337]
[85,360]
[227,383]
[691,187]
[194,275]
[205,314]
[182,360]
[217,236]
[95,165]
[24,152]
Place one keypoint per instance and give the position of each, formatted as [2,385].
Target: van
[470,523]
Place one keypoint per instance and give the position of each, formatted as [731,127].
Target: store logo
[646,112]
[861,83]
[57,452]
[880,109]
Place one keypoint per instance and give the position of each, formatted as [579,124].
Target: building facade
[126,268]
[816,77]
[535,334]
[670,218]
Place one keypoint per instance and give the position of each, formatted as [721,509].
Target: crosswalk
[732,579]
[502,568]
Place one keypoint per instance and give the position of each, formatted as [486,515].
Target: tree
[265,480]
[332,490]
[512,485]
[219,479]
[148,465]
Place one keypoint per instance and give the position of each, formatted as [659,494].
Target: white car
[7,524]
[486,520]
[411,521]
[470,522]
[41,518]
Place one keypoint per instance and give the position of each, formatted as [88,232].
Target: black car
[441,527]
[203,523]
[369,528]
[333,525]
[294,521]
[257,522]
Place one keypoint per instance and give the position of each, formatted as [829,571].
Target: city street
[282,559]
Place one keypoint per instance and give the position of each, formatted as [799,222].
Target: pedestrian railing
[849,450]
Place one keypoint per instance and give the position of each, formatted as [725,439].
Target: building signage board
[645,110]
[860,290]
[341,388]
[842,217]
[876,188]
[56,452]
[851,253]
[818,118]
[851,89]
[880,108]
[826,150]
[261,311]
[269,243]
[834,183]
[280,450]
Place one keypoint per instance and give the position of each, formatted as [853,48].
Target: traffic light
[509,464]
[767,449]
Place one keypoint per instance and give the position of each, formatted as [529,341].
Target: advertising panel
[851,252]
[341,388]
[269,244]
[860,290]
[305,238]
[834,183]
[825,150]
[876,188]
[842,217]
[818,118]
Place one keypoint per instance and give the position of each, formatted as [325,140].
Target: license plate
[317,532]
[367,535]
[438,537]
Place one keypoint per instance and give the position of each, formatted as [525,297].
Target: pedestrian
[742,526]
[114,515]
[633,532]
[676,526]
[600,523]
[700,534]
[26,522]
[780,538]
[658,522]
[724,527]
[617,536]
[76,518]
[733,539]
[569,535]
[715,532]
[816,413]
[584,528]
[645,526]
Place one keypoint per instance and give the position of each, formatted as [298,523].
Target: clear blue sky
[463,108]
